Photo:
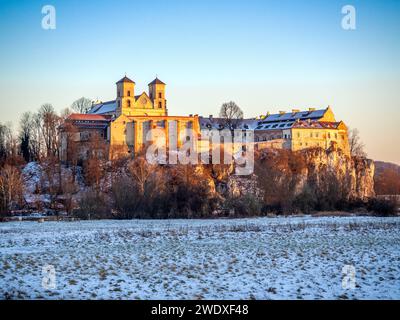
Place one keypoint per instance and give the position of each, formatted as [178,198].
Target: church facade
[123,126]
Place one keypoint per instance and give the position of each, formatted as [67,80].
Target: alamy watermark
[209,147]
[49,19]
[49,277]
[349,18]
[349,277]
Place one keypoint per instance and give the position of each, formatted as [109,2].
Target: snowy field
[264,258]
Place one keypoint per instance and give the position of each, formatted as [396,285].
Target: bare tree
[141,171]
[82,105]
[8,144]
[65,113]
[36,137]
[355,143]
[10,187]
[231,114]
[49,126]
[3,142]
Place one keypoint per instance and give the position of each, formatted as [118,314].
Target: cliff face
[355,175]
[323,171]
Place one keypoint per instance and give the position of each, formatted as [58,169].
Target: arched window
[129,103]
[129,93]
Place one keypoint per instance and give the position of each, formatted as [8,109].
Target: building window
[160,104]
[119,94]
[129,103]
[335,135]
[298,134]
[129,93]
[311,134]
[118,104]
[329,135]
[160,95]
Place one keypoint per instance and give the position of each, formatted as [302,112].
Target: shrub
[307,201]
[383,207]
[247,205]
[127,200]
[93,205]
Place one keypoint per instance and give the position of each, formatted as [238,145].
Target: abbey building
[122,126]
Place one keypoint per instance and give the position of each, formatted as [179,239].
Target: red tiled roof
[88,117]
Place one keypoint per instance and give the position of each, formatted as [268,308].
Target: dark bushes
[247,205]
[93,205]
[383,207]
[148,191]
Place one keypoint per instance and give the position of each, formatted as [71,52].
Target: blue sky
[264,55]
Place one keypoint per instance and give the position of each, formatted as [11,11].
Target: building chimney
[282,112]
[295,110]
[210,116]
[311,109]
[190,115]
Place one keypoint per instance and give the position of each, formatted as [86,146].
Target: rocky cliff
[280,172]
[356,175]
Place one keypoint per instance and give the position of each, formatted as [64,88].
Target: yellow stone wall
[328,116]
[155,91]
[128,133]
[303,138]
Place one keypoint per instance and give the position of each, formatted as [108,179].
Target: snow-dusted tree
[82,105]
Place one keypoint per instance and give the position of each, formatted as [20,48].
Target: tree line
[132,188]
[37,136]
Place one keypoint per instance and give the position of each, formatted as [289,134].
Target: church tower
[125,96]
[157,95]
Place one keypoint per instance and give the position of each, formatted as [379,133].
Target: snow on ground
[263,258]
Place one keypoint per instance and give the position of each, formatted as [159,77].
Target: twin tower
[151,104]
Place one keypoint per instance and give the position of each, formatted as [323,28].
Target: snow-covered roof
[278,121]
[218,123]
[104,108]
[288,116]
